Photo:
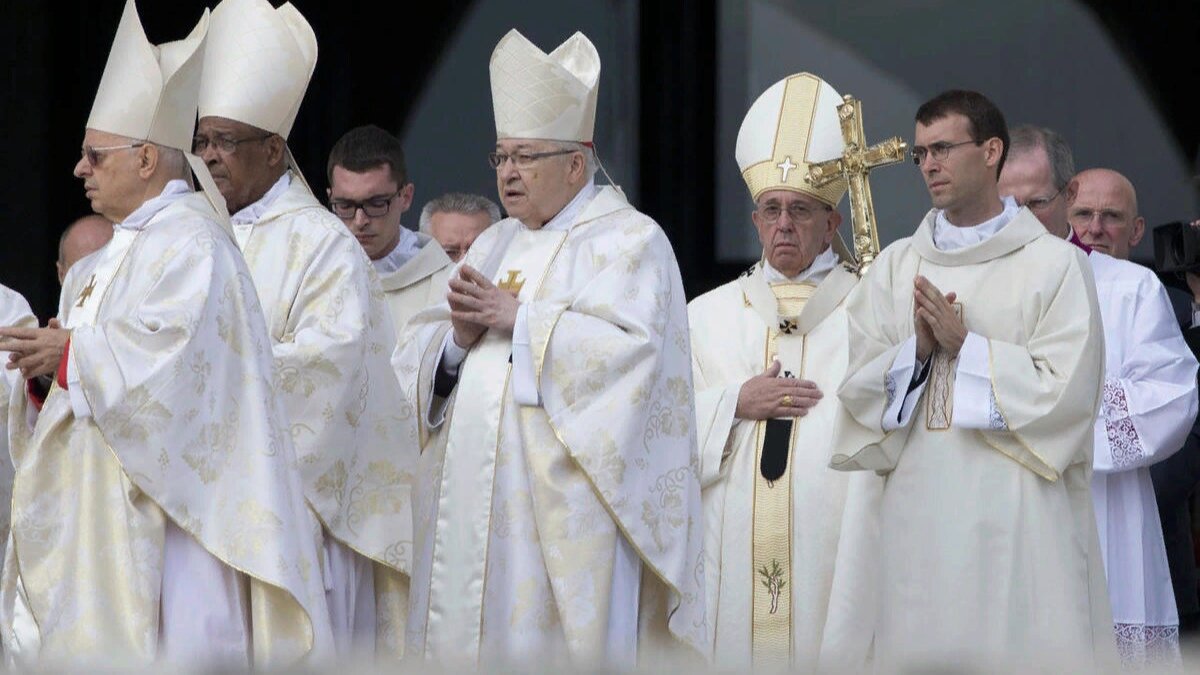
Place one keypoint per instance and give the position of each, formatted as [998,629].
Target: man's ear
[1071,191]
[1137,231]
[147,159]
[276,147]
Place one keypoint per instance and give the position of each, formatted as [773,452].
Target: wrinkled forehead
[1104,192]
[786,198]
[223,126]
[99,139]
[525,145]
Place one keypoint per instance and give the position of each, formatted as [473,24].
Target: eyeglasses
[223,144]
[94,155]
[522,160]
[1039,203]
[799,213]
[1084,215]
[938,151]
[373,207]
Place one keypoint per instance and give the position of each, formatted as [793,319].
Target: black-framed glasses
[938,151]
[373,207]
[522,160]
[1039,203]
[94,155]
[797,212]
[223,144]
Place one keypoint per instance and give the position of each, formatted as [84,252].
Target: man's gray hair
[588,153]
[459,202]
[1027,137]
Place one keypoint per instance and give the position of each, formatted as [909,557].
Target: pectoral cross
[87,291]
[786,166]
[854,166]
[511,283]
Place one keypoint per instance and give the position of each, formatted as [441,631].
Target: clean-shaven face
[378,235]
[803,229]
[1028,179]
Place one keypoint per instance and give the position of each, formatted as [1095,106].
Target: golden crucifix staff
[854,166]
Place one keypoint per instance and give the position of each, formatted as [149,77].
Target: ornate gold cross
[87,291]
[854,166]
[511,284]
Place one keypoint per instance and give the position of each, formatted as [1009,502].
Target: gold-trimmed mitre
[258,64]
[148,92]
[793,124]
[545,96]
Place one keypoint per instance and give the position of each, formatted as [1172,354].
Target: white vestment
[1148,409]
[990,556]
[157,510]
[736,332]
[535,511]
[14,311]
[356,440]
[419,282]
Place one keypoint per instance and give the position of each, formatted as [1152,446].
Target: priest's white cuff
[974,399]
[449,360]
[524,380]
[79,403]
[899,408]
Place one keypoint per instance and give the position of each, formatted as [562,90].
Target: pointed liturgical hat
[545,96]
[149,92]
[793,124]
[257,66]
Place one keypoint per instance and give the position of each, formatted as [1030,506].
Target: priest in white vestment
[788,541]
[157,509]
[330,333]
[14,312]
[557,508]
[974,380]
[1149,401]
[369,190]
[1149,407]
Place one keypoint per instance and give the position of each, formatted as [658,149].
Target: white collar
[948,237]
[567,216]
[815,273]
[252,213]
[173,190]
[405,249]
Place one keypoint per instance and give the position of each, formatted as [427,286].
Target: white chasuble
[418,284]
[179,423]
[824,528]
[1148,409]
[355,437]
[990,556]
[529,518]
[14,311]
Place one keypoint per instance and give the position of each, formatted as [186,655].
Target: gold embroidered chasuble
[355,435]
[987,534]
[176,368]
[785,559]
[14,311]
[519,508]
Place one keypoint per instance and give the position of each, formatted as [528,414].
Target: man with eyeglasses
[159,517]
[557,507]
[456,220]
[974,379]
[1148,410]
[330,329]
[369,190]
[785,582]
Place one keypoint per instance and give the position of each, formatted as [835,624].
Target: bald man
[1148,408]
[81,238]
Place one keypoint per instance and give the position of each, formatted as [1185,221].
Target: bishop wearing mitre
[557,507]
[157,510]
[329,325]
[787,539]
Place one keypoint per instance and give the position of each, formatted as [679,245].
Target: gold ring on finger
[787,399]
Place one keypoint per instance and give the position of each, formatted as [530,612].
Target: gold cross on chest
[511,283]
[87,291]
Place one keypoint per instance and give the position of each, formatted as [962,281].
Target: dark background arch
[374,60]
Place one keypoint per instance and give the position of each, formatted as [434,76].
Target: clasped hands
[936,323]
[476,305]
[34,351]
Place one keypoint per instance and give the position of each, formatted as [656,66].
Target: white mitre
[793,124]
[545,96]
[149,92]
[258,64]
